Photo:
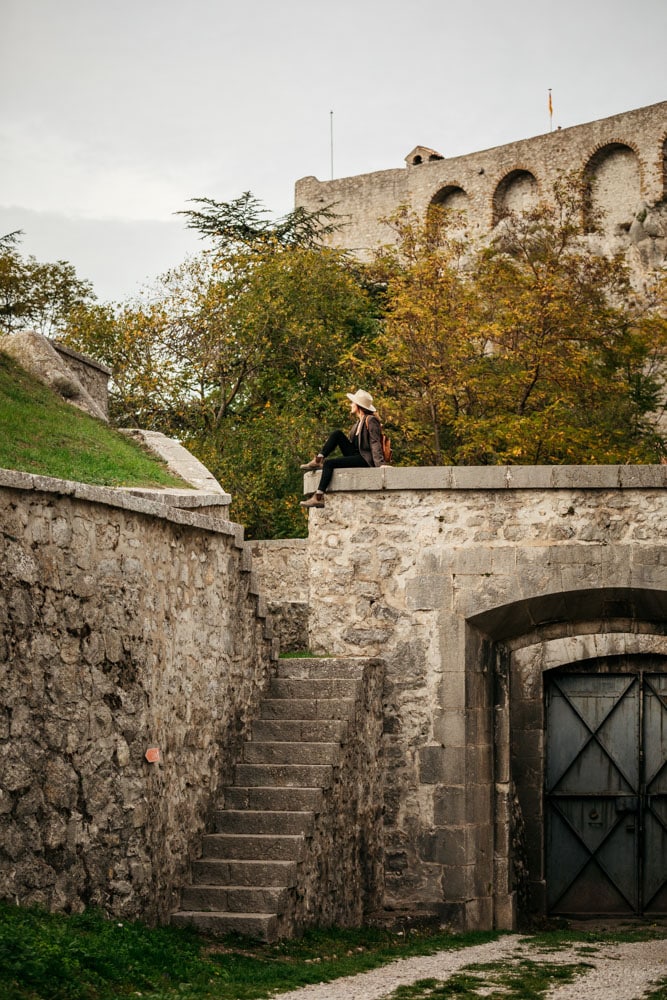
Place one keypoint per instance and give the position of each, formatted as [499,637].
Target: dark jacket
[370,439]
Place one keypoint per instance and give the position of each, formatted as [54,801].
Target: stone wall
[126,625]
[92,375]
[471,583]
[624,156]
[342,875]
[282,570]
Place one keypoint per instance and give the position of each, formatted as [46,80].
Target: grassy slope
[41,433]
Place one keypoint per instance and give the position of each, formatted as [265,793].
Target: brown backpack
[386,449]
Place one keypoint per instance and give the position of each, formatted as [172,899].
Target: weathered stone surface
[124,624]
[38,355]
[282,571]
[336,840]
[492,570]
[622,155]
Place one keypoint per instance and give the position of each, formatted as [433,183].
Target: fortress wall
[364,199]
[125,625]
[470,583]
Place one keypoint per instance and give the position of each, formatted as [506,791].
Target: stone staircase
[279,840]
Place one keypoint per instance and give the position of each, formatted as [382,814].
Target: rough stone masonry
[126,626]
[472,584]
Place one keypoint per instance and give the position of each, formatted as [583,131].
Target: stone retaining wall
[126,625]
[92,375]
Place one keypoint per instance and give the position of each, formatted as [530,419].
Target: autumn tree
[571,371]
[427,333]
[533,349]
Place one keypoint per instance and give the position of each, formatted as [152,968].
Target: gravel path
[620,971]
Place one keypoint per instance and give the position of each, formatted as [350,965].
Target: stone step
[249,873]
[237,898]
[284,775]
[262,926]
[307,708]
[211,871]
[322,666]
[291,753]
[262,821]
[273,799]
[295,730]
[253,846]
[317,689]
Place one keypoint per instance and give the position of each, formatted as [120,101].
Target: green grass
[42,434]
[523,980]
[589,941]
[46,956]
[659,991]
[303,654]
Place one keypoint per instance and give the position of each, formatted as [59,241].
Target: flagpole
[331,140]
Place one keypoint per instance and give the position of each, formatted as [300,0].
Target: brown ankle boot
[315,463]
[317,500]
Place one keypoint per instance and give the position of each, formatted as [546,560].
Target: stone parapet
[93,375]
[182,462]
[494,477]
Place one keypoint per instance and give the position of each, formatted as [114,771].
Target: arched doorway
[619,635]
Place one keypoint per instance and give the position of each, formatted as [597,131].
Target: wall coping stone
[122,498]
[494,477]
[187,499]
[70,352]
[179,460]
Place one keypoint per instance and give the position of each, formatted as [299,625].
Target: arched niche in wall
[452,199]
[517,192]
[613,183]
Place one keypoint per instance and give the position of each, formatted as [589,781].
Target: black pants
[351,458]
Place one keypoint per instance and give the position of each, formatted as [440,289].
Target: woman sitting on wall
[361,448]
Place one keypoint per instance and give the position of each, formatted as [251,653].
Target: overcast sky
[113,113]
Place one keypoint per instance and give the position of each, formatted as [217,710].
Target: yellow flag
[551,107]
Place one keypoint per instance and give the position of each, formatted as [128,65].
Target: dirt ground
[614,971]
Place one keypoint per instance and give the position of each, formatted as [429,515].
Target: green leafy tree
[245,224]
[37,296]
[238,352]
